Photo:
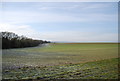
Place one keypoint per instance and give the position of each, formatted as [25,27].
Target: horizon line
[83,42]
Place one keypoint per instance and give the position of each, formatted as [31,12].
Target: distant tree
[12,40]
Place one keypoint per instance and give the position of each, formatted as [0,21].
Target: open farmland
[57,60]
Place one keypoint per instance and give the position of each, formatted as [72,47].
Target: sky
[62,21]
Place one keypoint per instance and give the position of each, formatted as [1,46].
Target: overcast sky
[62,21]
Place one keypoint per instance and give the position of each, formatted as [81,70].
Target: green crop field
[60,60]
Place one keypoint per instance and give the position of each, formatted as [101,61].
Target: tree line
[12,40]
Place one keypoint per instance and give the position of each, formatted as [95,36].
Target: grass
[58,60]
[105,69]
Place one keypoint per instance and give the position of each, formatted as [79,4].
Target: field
[64,61]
